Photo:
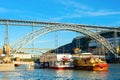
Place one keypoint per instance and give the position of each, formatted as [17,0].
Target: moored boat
[63,61]
[61,67]
[87,61]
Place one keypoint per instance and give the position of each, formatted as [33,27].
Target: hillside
[82,43]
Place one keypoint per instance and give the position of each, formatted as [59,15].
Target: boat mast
[56,42]
[116,39]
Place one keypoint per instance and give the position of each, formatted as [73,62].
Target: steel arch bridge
[52,26]
[18,45]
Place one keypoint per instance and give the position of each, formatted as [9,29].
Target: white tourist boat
[63,61]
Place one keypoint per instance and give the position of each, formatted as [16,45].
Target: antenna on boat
[77,41]
[77,49]
[56,42]
[63,49]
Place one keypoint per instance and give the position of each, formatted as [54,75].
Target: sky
[90,12]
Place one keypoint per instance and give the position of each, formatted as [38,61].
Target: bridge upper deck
[37,23]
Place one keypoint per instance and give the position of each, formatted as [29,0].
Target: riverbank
[7,67]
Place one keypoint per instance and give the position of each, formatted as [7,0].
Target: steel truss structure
[51,26]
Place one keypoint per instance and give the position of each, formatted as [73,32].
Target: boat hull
[101,67]
[60,67]
[95,67]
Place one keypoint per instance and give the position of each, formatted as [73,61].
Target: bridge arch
[18,45]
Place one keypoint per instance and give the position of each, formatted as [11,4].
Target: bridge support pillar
[6,50]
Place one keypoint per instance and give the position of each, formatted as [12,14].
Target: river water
[50,74]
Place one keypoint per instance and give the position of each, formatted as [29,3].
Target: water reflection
[80,75]
[4,76]
[9,75]
[63,74]
[48,74]
[102,75]
[51,74]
